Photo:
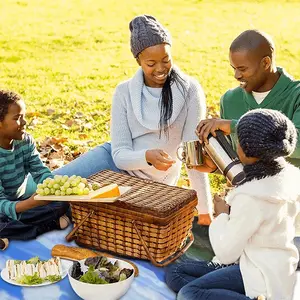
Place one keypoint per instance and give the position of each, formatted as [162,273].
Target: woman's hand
[220,206]
[159,159]
[205,127]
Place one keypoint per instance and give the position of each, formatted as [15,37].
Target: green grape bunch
[65,186]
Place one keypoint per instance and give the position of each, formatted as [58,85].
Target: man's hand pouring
[207,126]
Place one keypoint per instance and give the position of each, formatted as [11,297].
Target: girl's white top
[259,232]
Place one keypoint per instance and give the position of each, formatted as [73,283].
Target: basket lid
[146,196]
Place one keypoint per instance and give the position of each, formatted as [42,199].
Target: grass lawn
[66,56]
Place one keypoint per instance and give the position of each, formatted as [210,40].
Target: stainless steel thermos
[225,158]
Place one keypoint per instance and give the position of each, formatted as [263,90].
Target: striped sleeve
[36,167]
[7,207]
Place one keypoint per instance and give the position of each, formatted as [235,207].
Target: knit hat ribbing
[266,134]
[146,31]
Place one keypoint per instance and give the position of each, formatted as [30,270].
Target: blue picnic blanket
[150,282]
[149,285]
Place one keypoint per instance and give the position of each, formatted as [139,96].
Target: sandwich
[34,270]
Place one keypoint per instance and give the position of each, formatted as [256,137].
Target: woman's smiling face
[156,63]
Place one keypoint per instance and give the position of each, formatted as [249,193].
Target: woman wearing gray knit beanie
[152,114]
[252,236]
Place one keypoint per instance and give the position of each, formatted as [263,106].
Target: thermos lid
[238,179]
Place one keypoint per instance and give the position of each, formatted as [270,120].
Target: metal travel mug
[192,153]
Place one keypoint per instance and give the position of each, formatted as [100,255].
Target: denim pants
[297,244]
[33,222]
[195,280]
[39,220]
[91,162]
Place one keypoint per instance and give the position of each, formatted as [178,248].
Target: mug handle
[180,158]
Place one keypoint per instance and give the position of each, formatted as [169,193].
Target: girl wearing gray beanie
[152,114]
[252,235]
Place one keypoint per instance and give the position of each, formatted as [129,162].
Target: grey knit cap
[266,134]
[146,31]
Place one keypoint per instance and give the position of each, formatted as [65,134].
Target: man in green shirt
[262,85]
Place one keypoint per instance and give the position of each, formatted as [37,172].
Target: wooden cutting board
[84,198]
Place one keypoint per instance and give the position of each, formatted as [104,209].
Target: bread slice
[77,253]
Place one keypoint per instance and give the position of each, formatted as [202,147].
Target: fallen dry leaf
[56,163]
[55,153]
[52,140]
[31,114]
[78,114]
[69,123]
[50,111]
[65,127]
[88,125]
[83,136]
[57,147]
[34,121]
[78,122]
[79,143]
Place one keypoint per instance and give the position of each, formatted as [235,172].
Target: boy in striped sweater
[21,217]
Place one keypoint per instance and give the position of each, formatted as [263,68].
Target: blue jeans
[297,243]
[195,280]
[91,162]
[39,220]
[33,222]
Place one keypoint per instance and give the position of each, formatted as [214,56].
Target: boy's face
[13,125]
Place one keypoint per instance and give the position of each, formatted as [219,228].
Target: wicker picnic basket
[151,221]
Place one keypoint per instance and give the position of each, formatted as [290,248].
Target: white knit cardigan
[259,232]
[135,129]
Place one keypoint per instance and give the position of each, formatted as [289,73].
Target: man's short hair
[254,40]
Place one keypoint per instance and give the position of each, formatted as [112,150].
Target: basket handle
[70,236]
[169,259]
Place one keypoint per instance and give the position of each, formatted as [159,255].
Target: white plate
[65,266]
[85,198]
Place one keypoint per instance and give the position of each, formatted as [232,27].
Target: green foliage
[70,55]
[33,260]
[91,276]
[30,279]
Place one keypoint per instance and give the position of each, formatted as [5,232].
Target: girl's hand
[220,206]
[159,159]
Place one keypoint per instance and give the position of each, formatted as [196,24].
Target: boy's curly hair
[6,99]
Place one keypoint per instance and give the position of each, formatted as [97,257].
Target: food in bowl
[100,271]
[100,275]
